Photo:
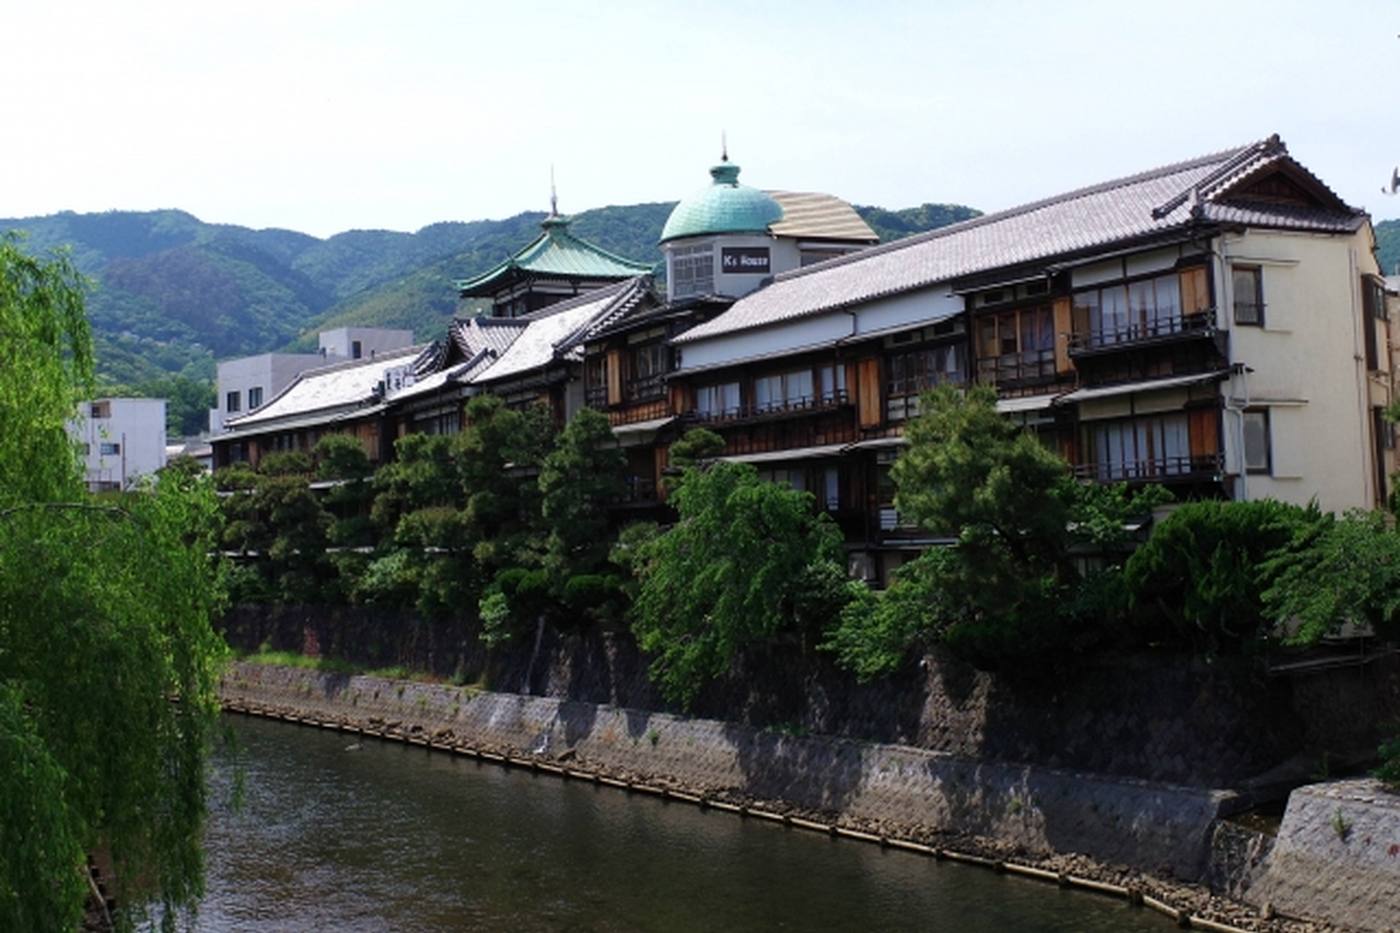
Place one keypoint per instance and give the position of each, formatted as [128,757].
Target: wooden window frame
[1268,468]
[1257,304]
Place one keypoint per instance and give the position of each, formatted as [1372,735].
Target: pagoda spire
[553,194]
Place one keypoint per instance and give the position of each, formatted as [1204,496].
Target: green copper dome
[724,207]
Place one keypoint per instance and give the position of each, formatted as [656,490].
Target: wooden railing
[1138,333]
[806,403]
[1154,469]
[1022,368]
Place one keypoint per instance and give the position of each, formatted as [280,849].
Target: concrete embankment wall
[898,789]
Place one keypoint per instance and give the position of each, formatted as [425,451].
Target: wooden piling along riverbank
[606,754]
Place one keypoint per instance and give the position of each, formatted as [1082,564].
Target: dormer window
[692,271]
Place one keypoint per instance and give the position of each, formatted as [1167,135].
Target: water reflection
[392,837]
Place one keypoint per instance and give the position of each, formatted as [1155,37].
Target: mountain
[1388,246]
[171,293]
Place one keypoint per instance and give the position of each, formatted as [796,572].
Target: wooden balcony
[778,409]
[1018,370]
[1192,468]
[1200,326]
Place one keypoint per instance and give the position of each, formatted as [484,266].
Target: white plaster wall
[338,343]
[783,255]
[1307,365]
[908,310]
[272,371]
[765,341]
[135,425]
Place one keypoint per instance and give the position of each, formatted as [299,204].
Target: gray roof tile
[1138,206]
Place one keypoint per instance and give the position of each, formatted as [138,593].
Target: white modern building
[119,439]
[246,384]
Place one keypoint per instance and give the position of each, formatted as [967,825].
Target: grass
[337,666]
[292,659]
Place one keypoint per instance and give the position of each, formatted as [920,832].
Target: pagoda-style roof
[555,254]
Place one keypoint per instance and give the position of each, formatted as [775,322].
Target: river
[347,834]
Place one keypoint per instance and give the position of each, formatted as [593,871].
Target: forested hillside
[171,293]
[1388,246]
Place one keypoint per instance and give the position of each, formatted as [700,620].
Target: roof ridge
[1271,147]
[975,222]
[363,361]
[302,376]
[565,232]
[594,294]
[635,289]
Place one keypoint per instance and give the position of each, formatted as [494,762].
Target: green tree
[1336,571]
[424,558]
[105,612]
[1198,581]
[1012,588]
[746,561]
[502,450]
[579,480]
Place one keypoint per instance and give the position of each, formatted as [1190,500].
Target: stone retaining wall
[1157,827]
[1337,857]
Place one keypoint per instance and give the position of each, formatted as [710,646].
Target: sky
[327,116]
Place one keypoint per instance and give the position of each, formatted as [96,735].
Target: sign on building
[742,260]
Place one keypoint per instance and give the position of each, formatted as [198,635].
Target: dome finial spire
[723,146]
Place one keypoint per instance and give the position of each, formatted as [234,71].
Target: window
[717,400]
[355,352]
[832,378]
[1248,287]
[1016,346]
[595,380]
[831,489]
[1373,310]
[254,397]
[101,410]
[231,402]
[1257,457]
[783,390]
[796,479]
[648,371]
[1122,313]
[109,449]
[1140,448]
[692,271]
[912,372]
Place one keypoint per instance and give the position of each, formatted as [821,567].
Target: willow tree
[107,658]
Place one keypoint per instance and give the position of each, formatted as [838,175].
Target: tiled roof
[1172,197]
[556,252]
[556,331]
[811,215]
[332,387]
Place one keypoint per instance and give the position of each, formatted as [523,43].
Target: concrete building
[728,239]
[119,439]
[246,384]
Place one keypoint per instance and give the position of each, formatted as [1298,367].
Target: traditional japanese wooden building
[721,243]
[554,266]
[1215,325]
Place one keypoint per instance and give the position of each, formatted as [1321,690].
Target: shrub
[1198,582]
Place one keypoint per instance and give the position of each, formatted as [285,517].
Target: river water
[347,834]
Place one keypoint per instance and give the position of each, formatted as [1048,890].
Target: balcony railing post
[1139,332]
